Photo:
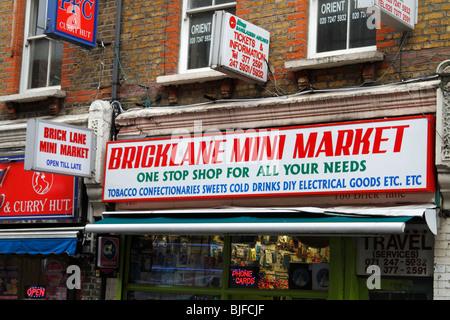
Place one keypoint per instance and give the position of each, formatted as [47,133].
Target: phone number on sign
[405,266]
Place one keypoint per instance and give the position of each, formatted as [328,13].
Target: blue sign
[74,21]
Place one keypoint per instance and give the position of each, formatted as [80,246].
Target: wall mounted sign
[36,195]
[59,148]
[73,21]
[365,156]
[398,14]
[239,48]
[108,252]
[409,254]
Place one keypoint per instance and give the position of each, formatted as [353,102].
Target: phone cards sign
[73,21]
[239,48]
[59,148]
[366,156]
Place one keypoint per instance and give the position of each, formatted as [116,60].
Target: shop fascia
[340,157]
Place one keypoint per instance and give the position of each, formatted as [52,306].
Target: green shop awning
[250,225]
[257,221]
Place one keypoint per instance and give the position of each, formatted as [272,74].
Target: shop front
[39,232]
[343,210]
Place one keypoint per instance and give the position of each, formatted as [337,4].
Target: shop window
[24,277]
[338,27]
[177,261]
[278,262]
[42,57]
[196,32]
[215,267]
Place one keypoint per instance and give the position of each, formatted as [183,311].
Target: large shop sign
[35,195]
[239,48]
[366,156]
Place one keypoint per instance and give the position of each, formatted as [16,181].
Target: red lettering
[128,157]
[341,146]
[115,158]
[379,139]
[364,140]
[300,151]
[56,134]
[399,137]
[326,145]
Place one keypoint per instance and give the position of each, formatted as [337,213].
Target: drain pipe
[116,50]
[115,80]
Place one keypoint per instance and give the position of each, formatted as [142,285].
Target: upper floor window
[196,31]
[42,57]
[338,27]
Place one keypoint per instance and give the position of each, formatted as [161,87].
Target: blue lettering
[83,9]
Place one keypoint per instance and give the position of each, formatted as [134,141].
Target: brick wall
[82,71]
[149,47]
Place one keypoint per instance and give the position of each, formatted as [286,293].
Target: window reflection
[177,260]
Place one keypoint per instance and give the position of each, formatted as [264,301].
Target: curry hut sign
[366,156]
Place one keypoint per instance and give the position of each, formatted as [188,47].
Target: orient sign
[73,20]
[366,156]
[398,14]
[35,195]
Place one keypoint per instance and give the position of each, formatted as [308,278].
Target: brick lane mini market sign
[239,48]
[366,156]
[59,148]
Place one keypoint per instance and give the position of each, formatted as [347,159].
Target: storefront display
[33,277]
[270,265]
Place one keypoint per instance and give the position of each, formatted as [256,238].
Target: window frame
[28,44]
[312,36]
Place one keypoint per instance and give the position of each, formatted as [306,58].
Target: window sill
[33,95]
[334,61]
[194,77]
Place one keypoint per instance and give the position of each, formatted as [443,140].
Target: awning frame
[342,221]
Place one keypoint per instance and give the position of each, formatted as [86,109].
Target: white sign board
[398,14]
[367,156]
[239,48]
[409,254]
[59,148]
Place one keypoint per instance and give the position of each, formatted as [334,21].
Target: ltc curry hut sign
[35,195]
[73,20]
[367,156]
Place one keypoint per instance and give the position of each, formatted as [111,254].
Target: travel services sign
[366,156]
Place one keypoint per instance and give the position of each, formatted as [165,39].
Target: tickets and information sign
[366,156]
[239,48]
